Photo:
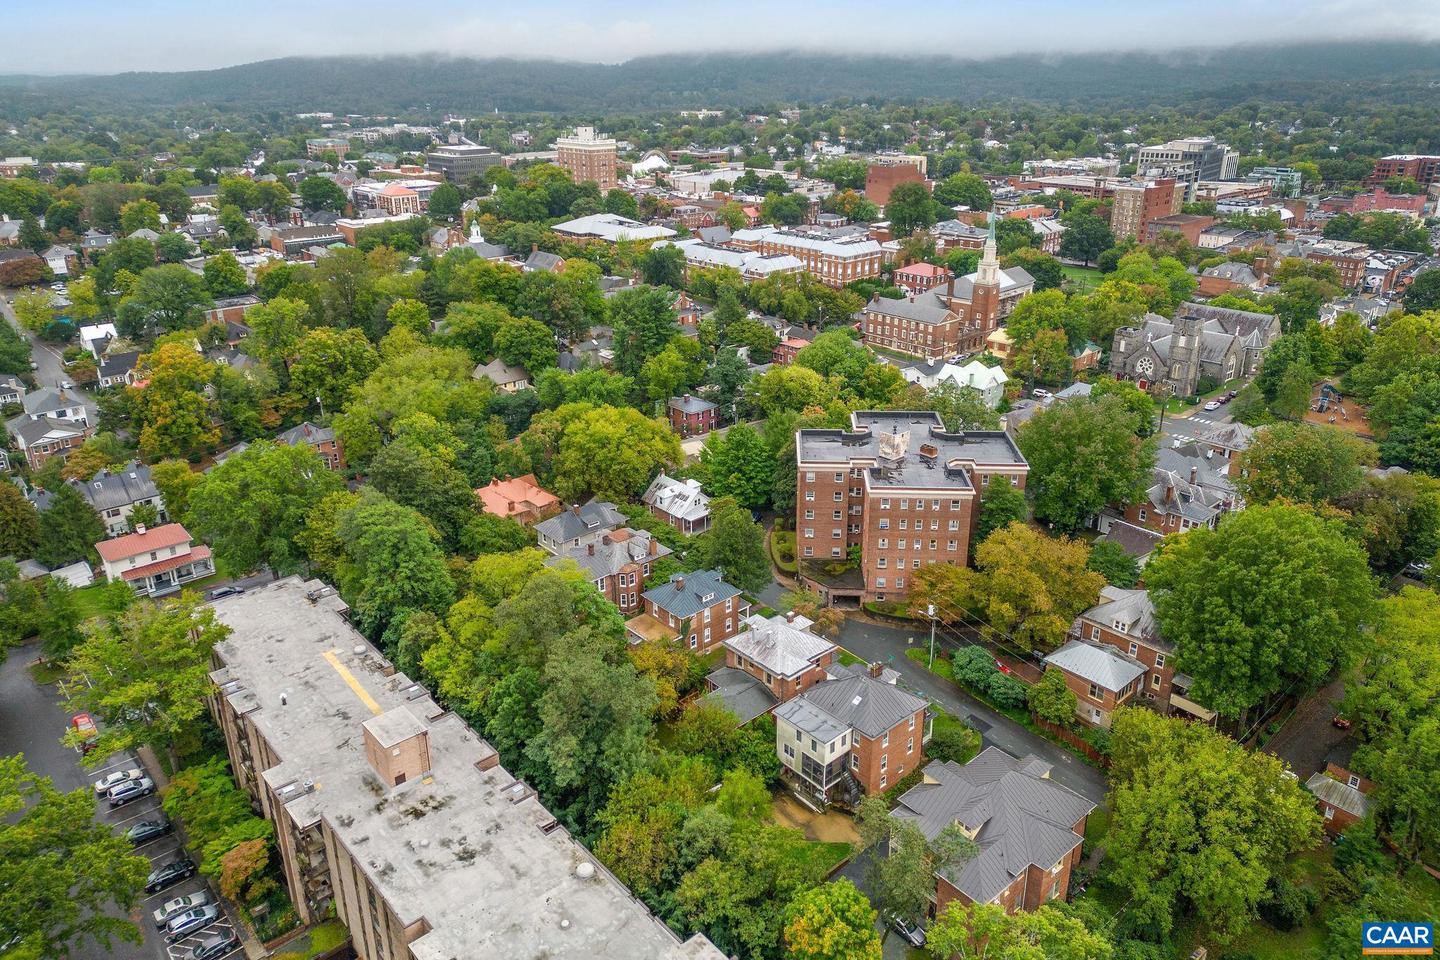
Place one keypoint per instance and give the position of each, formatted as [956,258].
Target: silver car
[131,790]
[171,909]
[190,921]
[112,780]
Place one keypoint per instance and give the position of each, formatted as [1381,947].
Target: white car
[103,785]
[1040,393]
[1212,405]
[171,909]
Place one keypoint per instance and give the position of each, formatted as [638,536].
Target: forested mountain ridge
[1313,72]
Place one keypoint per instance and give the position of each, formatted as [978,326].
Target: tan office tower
[588,157]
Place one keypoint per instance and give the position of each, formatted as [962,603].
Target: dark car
[229,590]
[147,830]
[169,875]
[213,945]
[191,921]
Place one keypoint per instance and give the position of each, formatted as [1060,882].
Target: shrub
[1005,691]
[952,740]
[1286,907]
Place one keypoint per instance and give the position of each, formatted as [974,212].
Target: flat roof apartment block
[396,812]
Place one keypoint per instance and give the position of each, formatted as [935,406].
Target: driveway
[888,644]
[1308,738]
[32,721]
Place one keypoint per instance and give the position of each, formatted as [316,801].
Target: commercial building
[393,197]
[319,146]
[394,813]
[460,161]
[1423,169]
[1078,166]
[900,487]
[1210,160]
[588,157]
[882,178]
[1283,181]
[1028,829]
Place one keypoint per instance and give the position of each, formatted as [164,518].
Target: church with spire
[951,319]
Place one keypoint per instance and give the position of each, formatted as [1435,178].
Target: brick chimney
[590,549]
[1194,472]
[679,584]
[397,745]
[790,616]
[875,669]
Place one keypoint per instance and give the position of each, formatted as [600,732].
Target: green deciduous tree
[252,506]
[1050,699]
[964,189]
[165,299]
[445,202]
[612,453]
[523,342]
[833,921]
[69,528]
[902,882]
[1086,237]
[224,277]
[392,563]
[1110,560]
[735,545]
[320,193]
[1301,463]
[19,523]
[909,208]
[984,931]
[1276,595]
[738,465]
[145,674]
[1200,823]
[329,364]
[62,873]
[643,319]
[1084,454]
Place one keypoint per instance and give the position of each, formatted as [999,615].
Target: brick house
[922,276]
[1028,828]
[851,735]
[519,498]
[698,609]
[691,416]
[320,439]
[680,503]
[43,438]
[1102,678]
[786,350]
[230,310]
[617,562]
[114,495]
[1188,489]
[1125,620]
[901,488]
[769,662]
[573,528]
[1343,797]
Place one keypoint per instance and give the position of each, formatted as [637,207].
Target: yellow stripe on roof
[334,657]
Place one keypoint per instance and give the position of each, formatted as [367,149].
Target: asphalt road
[51,367]
[888,644]
[32,721]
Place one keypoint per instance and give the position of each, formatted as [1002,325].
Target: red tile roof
[506,498]
[198,552]
[169,535]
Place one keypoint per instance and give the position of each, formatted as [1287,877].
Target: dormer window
[707,598]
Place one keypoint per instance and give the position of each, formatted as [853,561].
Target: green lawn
[1081,279]
[782,550]
[849,659]
[825,855]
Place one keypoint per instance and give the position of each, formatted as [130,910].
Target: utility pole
[930,612]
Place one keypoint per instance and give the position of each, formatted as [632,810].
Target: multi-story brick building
[949,319]
[1188,225]
[320,439]
[1102,678]
[922,276]
[45,437]
[1342,796]
[1349,257]
[834,257]
[692,416]
[319,146]
[1425,170]
[698,610]
[786,350]
[771,660]
[588,157]
[393,815]
[1124,620]
[573,528]
[855,734]
[617,562]
[899,487]
[1028,829]
[881,179]
[1136,203]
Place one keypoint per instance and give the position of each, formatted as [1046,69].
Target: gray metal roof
[44,401]
[307,433]
[1019,817]
[862,702]
[119,364]
[594,517]
[686,594]
[107,490]
[805,716]
[1337,794]
[690,403]
[785,648]
[542,260]
[740,693]
[612,553]
[1099,663]
[499,372]
[926,307]
[679,498]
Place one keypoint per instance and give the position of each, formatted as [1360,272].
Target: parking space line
[127,761]
[138,815]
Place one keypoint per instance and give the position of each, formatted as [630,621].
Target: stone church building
[1201,341]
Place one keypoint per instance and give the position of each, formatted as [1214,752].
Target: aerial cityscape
[717,483]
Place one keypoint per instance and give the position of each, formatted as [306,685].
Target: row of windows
[884,524]
[899,583]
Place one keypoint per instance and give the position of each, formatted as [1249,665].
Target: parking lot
[32,721]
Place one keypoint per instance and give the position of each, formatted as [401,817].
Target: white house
[988,381]
[94,337]
[156,561]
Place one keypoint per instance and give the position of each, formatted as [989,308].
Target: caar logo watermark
[1409,939]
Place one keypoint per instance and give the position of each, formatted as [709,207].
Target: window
[984,480]
[809,514]
[839,495]
[809,477]
[910,745]
[882,563]
[809,495]
[1014,481]
[834,533]
[954,525]
[954,504]
[934,544]
[912,722]
[1329,813]
[1095,692]
[884,543]
[789,751]
[882,781]
[835,515]
[854,761]
[812,745]
[834,551]
[899,583]
[934,504]
[884,524]
[809,533]
[1142,516]
[905,504]
[1094,631]
[797,736]
[934,524]
[951,545]
[1354,782]
[885,740]
[1159,660]
[1134,648]
[904,524]
[729,604]
[900,544]
[1154,679]
[880,582]
[884,503]
[809,551]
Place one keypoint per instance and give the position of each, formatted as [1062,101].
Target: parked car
[214,945]
[1340,723]
[1230,396]
[170,874]
[1040,394]
[191,921]
[111,780]
[229,590]
[84,726]
[130,790]
[171,909]
[147,830]
[1212,405]
[913,934]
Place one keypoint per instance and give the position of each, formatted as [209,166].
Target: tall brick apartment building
[1424,169]
[1137,203]
[901,488]
[588,157]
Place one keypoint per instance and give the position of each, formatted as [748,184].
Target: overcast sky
[102,36]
